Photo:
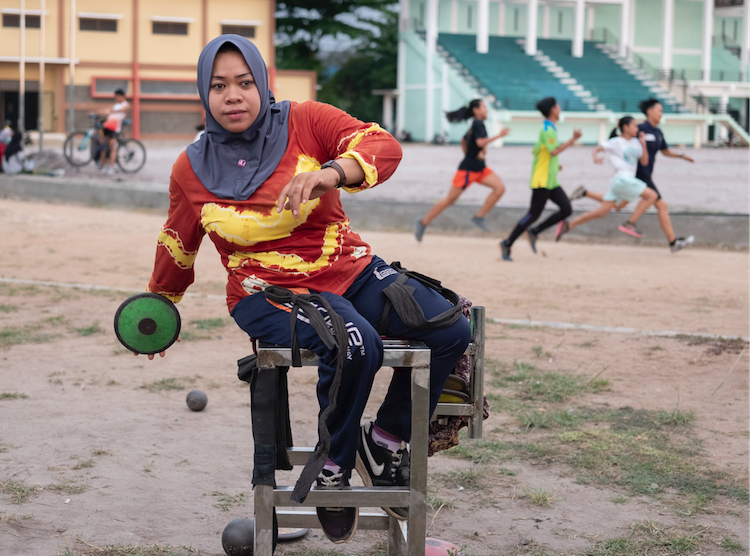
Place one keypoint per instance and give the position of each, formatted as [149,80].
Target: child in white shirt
[624,152]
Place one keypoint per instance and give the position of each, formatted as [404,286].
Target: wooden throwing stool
[405,538]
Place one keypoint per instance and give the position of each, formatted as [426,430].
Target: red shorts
[464,178]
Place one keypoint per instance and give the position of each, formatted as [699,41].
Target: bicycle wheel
[77,149]
[131,155]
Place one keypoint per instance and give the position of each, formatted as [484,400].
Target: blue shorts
[624,188]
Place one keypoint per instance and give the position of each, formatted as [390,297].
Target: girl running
[471,169]
[544,184]
[625,152]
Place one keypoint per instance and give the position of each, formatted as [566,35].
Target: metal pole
[41,78]
[72,68]
[22,71]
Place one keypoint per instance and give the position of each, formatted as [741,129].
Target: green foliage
[90,330]
[209,324]
[371,66]
[12,396]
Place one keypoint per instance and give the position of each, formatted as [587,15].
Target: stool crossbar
[405,538]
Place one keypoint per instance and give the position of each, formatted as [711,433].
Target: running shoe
[532,239]
[378,466]
[111,171]
[505,250]
[630,229]
[478,221]
[578,193]
[562,229]
[419,229]
[680,243]
[339,524]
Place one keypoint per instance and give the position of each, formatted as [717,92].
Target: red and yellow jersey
[261,247]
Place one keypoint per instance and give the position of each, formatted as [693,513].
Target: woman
[14,160]
[263,183]
[625,152]
[471,169]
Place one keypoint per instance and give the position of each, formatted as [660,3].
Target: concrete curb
[714,229]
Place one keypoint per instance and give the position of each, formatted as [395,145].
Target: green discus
[147,323]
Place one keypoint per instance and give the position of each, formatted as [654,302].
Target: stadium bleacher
[517,80]
[513,78]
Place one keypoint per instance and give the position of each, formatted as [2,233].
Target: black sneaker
[532,239]
[505,251]
[378,466]
[339,524]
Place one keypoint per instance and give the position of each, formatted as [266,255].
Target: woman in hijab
[263,183]
[14,159]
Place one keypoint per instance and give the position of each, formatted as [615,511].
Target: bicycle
[81,147]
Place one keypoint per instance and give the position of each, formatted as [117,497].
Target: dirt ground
[98,447]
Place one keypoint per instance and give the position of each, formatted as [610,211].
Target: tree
[372,65]
[300,26]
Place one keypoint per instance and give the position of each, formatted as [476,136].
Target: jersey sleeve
[177,244]
[342,136]
[548,138]
[478,130]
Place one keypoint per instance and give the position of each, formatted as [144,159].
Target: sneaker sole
[361,469]
[630,232]
[351,536]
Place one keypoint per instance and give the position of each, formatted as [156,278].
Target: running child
[655,142]
[544,184]
[472,168]
[625,152]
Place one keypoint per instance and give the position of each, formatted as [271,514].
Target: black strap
[400,296]
[335,336]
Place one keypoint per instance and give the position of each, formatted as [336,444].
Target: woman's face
[654,113]
[631,128]
[233,97]
[480,112]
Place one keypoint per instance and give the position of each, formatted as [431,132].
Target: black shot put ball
[197,400]
[237,539]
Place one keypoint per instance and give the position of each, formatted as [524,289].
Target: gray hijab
[234,165]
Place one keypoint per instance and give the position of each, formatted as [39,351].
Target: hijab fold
[234,165]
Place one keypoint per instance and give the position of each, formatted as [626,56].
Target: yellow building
[148,48]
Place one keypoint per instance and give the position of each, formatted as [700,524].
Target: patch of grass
[227,501]
[174,383]
[479,451]
[84,464]
[7,518]
[531,383]
[58,320]
[677,417]
[694,504]
[649,538]
[731,545]
[589,344]
[8,308]
[68,487]
[537,350]
[620,499]
[84,548]
[18,492]
[538,496]
[89,330]
[29,334]
[469,479]
[209,324]
[100,452]
[12,396]
[506,471]
[436,503]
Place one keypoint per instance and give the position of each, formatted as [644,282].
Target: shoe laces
[330,480]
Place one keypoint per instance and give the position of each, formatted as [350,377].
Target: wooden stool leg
[396,537]
[263,507]
[420,421]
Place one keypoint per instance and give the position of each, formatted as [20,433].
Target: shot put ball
[237,539]
[197,400]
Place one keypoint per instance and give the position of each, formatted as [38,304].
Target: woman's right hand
[161,353]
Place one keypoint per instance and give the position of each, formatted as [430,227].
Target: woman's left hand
[306,186]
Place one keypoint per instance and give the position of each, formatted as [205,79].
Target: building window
[90,24]
[242,30]
[515,19]
[469,16]
[169,28]
[109,86]
[14,20]
[559,23]
[169,88]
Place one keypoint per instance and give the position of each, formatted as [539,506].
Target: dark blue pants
[361,307]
